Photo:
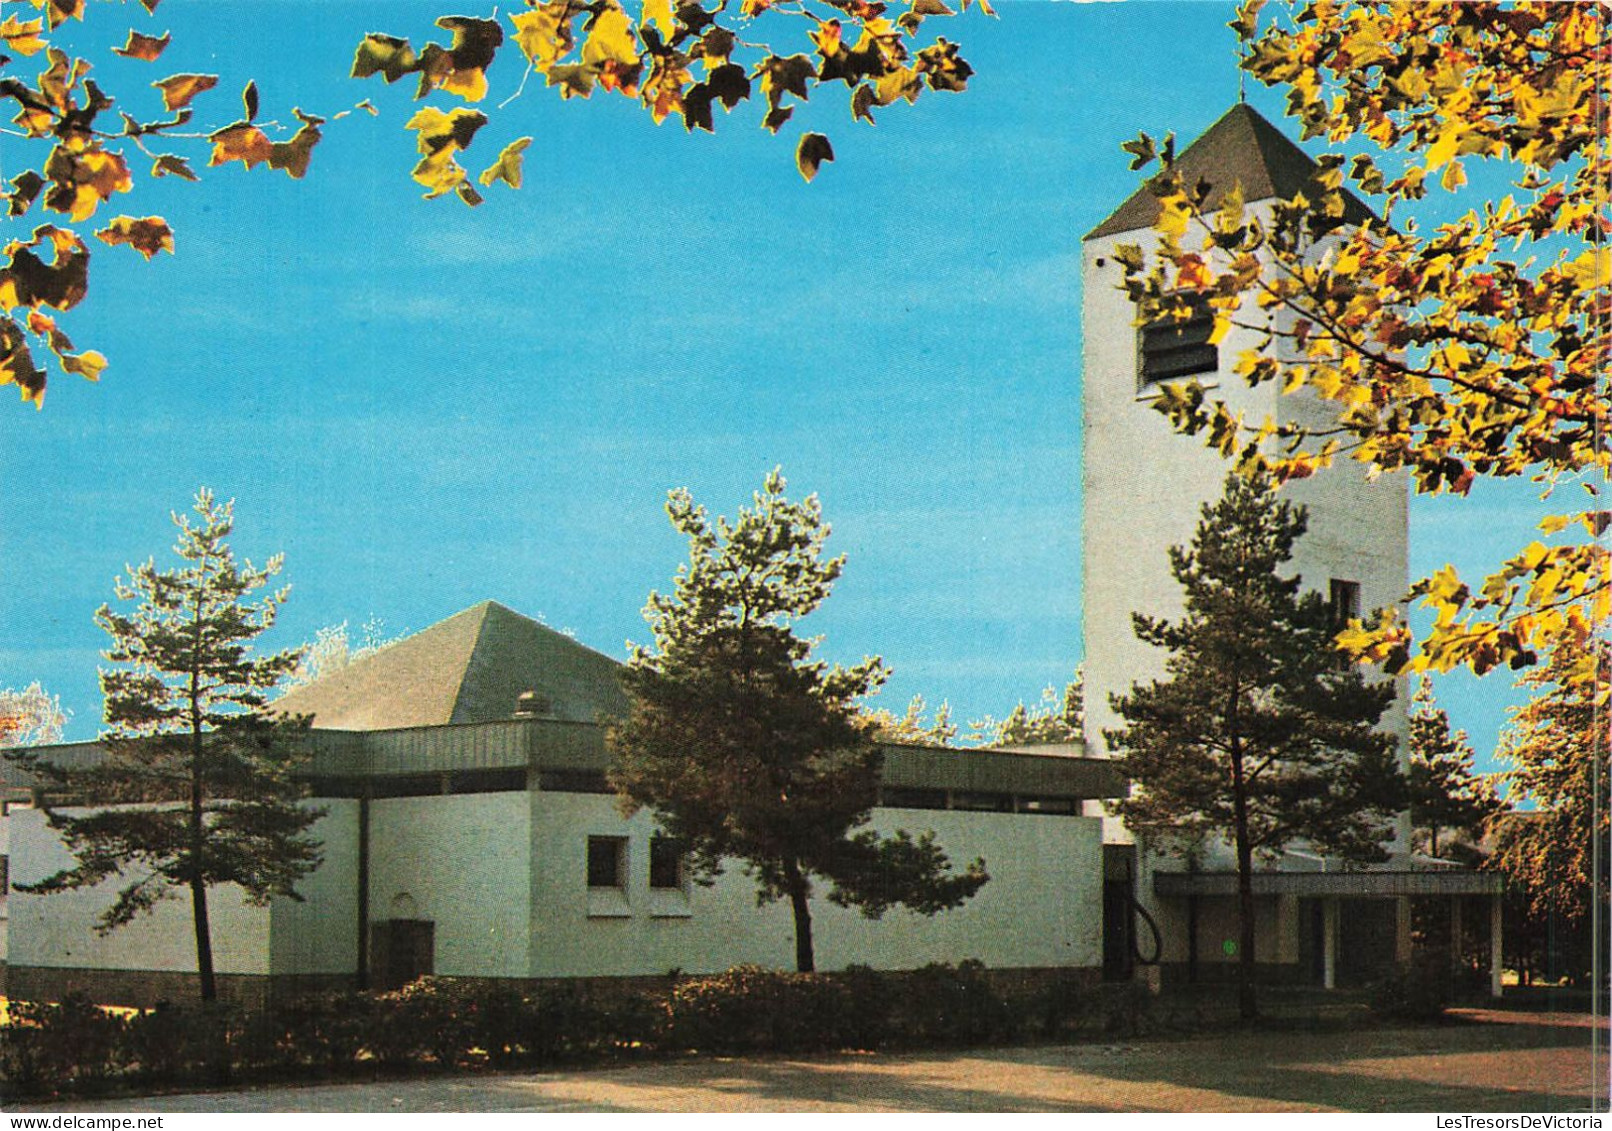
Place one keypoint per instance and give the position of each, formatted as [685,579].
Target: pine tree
[1259,735]
[1058,719]
[1444,791]
[914,728]
[196,788]
[30,717]
[746,747]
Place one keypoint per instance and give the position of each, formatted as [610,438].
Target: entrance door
[1119,923]
[1312,940]
[402,950]
[1118,931]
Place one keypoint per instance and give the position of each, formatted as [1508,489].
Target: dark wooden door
[402,950]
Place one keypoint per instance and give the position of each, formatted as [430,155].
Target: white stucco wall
[319,935]
[464,862]
[1143,486]
[59,930]
[1042,907]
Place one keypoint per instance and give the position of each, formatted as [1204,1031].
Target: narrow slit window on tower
[1178,347]
[1345,601]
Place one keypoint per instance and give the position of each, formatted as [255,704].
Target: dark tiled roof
[1241,148]
[470,668]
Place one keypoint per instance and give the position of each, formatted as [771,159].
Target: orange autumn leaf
[147,236]
[178,90]
[146,48]
[240,142]
[82,182]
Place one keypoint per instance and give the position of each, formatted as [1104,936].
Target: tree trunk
[1247,1006]
[198,880]
[204,939]
[805,962]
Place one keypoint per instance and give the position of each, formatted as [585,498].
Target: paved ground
[1488,1061]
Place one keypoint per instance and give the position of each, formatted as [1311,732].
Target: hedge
[437,1024]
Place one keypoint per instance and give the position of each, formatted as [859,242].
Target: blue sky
[425,406]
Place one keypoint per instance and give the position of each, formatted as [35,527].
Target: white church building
[469,831]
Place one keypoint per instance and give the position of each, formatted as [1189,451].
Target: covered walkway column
[1496,950]
[1402,930]
[1457,951]
[1329,942]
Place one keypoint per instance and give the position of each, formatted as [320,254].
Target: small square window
[607,862]
[1178,347]
[665,862]
[1345,602]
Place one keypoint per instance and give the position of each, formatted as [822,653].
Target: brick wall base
[1221,973]
[145,988]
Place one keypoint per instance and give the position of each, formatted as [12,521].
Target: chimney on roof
[531,705]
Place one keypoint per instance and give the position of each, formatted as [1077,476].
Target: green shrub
[565,1023]
[1124,1009]
[27,1066]
[426,1018]
[328,1033]
[752,1009]
[496,1018]
[158,1044]
[870,1001]
[952,1005]
[71,1044]
[1064,1005]
[1419,991]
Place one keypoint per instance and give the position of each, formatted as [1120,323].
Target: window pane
[605,857]
[665,863]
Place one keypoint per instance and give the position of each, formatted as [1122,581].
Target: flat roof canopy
[552,744]
[1453,881]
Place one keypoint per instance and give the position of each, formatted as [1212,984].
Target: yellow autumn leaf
[439,172]
[903,82]
[659,13]
[440,131]
[1592,269]
[508,166]
[1445,146]
[22,36]
[88,365]
[469,84]
[610,39]
[1174,213]
[542,35]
